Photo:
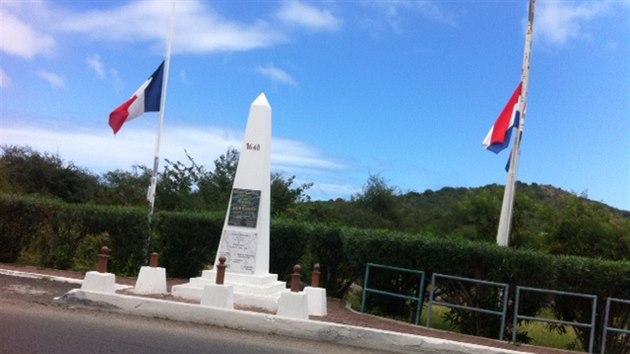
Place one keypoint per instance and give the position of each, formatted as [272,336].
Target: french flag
[498,137]
[146,99]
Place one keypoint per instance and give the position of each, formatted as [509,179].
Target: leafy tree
[126,187]
[283,197]
[215,187]
[477,216]
[587,229]
[26,171]
[378,199]
[176,189]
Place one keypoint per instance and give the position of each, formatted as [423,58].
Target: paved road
[30,323]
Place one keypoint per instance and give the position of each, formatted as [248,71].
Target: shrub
[187,242]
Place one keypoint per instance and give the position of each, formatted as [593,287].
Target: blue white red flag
[146,99]
[498,137]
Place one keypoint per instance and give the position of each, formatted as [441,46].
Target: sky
[405,90]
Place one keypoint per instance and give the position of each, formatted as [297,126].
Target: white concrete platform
[262,291]
[263,323]
[218,296]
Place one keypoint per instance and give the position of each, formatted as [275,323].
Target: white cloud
[55,80]
[298,13]
[276,75]
[197,28]
[95,63]
[294,154]
[5,81]
[558,22]
[21,39]
[395,11]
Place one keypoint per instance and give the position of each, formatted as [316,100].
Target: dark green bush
[46,232]
[287,245]
[187,242]
[20,217]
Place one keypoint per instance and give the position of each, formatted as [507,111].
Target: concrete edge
[272,324]
[15,273]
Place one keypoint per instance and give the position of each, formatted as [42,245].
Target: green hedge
[187,242]
[50,233]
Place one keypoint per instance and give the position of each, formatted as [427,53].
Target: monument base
[218,296]
[253,290]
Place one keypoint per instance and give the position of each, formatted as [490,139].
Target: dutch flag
[146,99]
[498,137]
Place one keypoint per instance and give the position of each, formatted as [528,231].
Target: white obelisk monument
[245,238]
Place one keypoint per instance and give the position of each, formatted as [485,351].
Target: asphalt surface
[30,323]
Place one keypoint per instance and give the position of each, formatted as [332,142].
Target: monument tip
[261,100]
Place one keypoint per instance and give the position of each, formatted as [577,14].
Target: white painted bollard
[292,304]
[316,301]
[219,294]
[101,282]
[151,279]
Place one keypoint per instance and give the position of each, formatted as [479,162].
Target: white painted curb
[272,324]
[15,273]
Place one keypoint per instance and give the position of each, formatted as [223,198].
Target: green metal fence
[589,325]
[503,291]
[418,298]
[606,327]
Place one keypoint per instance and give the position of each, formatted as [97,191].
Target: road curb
[273,324]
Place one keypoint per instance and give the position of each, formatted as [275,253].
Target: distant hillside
[545,217]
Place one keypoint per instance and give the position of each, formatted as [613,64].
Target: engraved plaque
[240,250]
[244,208]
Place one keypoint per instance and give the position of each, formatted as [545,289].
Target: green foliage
[596,277]
[187,242]
[125,188]
[84,259]
[287,245]
[25,171]
[215,187]
[20,218]
[48,233]
[591,230]
[283,197]
[478,215]
[378,201]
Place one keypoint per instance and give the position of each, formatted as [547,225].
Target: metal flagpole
[156,160]
[507,206]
